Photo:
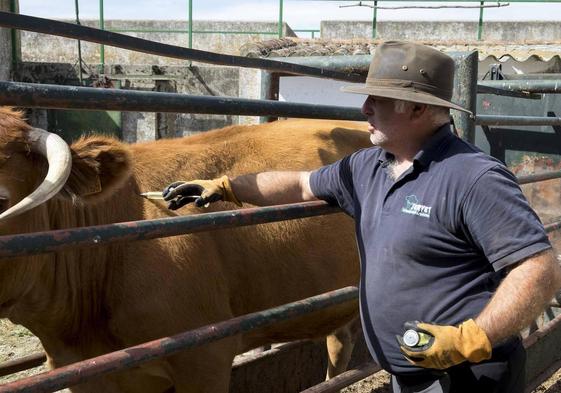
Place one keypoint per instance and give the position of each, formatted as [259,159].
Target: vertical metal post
[102,47]
[281,6]
[77,8]
[480,27]
[465,93]
[190,24]
[374,16]
[14,35]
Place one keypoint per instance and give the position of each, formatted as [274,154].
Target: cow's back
[258,267]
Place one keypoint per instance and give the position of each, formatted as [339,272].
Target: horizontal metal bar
[177,31]
[34,95]
[539,177]
[530,86]
[492,120]
[23,363]
[48,241]
[335,384]
[84,33]
[83,371]
[507,93]
[552,226]
[456,1]
[538,341]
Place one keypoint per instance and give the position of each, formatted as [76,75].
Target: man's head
[408,85]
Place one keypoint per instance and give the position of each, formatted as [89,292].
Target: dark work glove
[202,192]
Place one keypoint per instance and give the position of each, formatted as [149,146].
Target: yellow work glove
[202,192]
[449,346]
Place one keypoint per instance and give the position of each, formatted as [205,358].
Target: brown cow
[85,302]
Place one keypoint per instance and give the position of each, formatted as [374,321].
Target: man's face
[384,124]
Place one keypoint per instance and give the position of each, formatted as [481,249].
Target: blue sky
[299,14]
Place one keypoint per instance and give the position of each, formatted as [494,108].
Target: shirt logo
[412,206]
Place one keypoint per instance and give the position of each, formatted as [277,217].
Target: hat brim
[403,94]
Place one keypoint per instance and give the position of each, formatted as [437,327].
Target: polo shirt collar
[433,148]
[430,150]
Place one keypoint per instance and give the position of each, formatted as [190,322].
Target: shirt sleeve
[499,220]
[334,184]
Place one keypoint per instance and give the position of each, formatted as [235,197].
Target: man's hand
[452,345]
[202,192]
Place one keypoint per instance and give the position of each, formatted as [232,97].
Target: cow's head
[46,184]
[36,166]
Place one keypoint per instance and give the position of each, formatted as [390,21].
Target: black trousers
[504,373]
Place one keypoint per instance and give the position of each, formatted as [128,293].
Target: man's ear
[100,165]
[419,110]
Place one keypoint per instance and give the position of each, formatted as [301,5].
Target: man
[444,233]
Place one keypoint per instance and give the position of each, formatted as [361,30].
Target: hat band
[409,85]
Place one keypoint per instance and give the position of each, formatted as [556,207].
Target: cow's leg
[204,370]
[340,347]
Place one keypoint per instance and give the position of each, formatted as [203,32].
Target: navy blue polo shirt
[434,242]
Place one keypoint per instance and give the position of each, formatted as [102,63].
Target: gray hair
[439,114]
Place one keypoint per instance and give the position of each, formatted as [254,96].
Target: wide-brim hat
[410,72]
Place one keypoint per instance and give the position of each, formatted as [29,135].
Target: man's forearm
[521,297]
[273,188]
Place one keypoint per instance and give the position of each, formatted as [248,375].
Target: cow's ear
[100,165]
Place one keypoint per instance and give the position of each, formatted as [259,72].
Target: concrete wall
[443,30]
[45,48]
[141,126]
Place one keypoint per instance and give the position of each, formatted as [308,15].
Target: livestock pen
[543,342]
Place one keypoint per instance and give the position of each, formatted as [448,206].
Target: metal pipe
[80,76]
[492,120]
[65,97]
[23,363]
[334,385]
[374,19]
[14,35]
[85,370]
[281,9]
[480,25]
[547,86]
[69,30]
[190,24]
[507,93]
[41,242]
[101,47]
[539,177]
[465,93]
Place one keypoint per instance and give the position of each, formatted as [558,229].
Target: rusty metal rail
[130,357]
[49,241]
[539,177]
[41,242]
[90,34]
[35,95]
[23,363]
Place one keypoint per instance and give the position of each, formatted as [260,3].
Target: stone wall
[141,126]
[46,48]
[444,30]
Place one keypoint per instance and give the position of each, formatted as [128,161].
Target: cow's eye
[4,203]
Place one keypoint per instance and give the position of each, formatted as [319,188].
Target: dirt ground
[16,342]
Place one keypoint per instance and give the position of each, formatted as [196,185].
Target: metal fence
[31,95]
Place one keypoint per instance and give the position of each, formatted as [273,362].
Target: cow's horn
[59,158]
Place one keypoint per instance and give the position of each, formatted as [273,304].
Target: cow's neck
[73,292]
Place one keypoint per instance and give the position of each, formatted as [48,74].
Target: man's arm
[261,189]
[519,299]
[522,295]
[273,188]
